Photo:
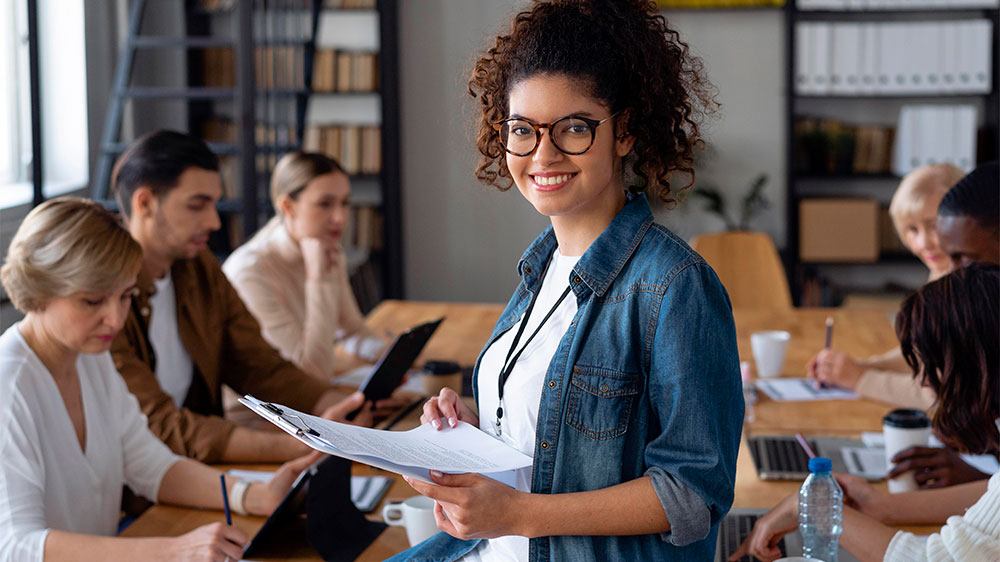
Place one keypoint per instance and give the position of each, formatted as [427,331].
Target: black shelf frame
[794,267]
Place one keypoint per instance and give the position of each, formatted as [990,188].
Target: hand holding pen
[832,368]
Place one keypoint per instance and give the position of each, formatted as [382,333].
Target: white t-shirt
[523,390]
[174,369]
[46,480]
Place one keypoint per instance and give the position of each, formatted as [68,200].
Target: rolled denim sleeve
[695,393]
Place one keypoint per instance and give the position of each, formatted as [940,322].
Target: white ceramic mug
[416,514]
[769,351]
[904,429]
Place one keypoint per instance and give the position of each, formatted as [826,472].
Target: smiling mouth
[546,181]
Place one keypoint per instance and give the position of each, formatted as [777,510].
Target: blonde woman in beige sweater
[914,214]
[292,274]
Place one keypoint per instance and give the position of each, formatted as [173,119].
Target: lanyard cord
[508,364]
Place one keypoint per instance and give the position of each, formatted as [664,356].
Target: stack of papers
[800,390]
[412,453]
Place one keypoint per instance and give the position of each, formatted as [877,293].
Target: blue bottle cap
[820,464]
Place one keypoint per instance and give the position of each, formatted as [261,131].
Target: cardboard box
[838,230]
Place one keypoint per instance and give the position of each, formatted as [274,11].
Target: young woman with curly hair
[614,364]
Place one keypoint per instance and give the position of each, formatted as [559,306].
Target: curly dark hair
[948,332]
[630,59]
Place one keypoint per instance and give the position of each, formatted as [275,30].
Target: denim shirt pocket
[600,401]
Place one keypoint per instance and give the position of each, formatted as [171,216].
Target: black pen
[829,340]
[225,500]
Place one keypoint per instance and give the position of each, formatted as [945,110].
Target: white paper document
[801,390]
[411,453]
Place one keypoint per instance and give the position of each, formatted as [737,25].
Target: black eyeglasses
[571,135]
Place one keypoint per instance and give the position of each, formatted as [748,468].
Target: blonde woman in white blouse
[292,274]
[72,434]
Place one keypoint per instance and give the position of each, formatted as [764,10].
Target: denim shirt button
[528,270]
[577,280]
[552,384]
[544,445]
[604,388]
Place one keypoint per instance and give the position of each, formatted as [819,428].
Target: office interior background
[390,77]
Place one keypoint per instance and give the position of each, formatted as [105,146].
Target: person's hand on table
[835,368]
[934,467]
[465,505]
[338,412]
[768,531]
[208,543]
[449,405]
[263,497]
[862,496]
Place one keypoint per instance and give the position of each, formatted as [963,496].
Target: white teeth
[552,180]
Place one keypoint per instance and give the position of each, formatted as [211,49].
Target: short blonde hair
[921,187]
[64,246]
[294,172]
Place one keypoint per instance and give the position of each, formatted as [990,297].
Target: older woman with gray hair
[73,435]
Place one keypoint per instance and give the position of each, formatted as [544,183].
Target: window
[15,102]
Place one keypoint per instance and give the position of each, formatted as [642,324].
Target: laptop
[737,525]
[780,457]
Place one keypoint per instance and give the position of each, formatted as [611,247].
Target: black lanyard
[508,364]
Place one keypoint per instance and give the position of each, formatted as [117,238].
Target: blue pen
[225,499]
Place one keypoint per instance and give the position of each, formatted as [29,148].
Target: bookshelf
[262,81]
[846,140]
[352,114]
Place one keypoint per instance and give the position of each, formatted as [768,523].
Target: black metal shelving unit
[794,267]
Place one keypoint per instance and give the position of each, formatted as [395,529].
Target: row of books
[278,67]
[349,4]
[345,71]
[930,134]
[358,148]
[364,229]
[829,147]
[894,4]
[919,57]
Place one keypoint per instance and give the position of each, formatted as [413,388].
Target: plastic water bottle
[821,512]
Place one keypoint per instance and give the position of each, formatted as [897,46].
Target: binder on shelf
[869,58]
[821,59]
[845,59]
[982,32]
[948,56]
[964,136]
[803,57]
[894,58]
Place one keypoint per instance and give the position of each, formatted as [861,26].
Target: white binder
[948,57]
[893,58]
[821,59]
[804,57]
[869,58]
[965,137]
[845,59]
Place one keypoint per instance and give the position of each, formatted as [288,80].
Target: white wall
[461,239]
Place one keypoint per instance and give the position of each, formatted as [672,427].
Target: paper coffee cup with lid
[903,429]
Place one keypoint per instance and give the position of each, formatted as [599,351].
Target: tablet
[291,507]
[388,372]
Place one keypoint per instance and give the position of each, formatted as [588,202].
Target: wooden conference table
[468,326]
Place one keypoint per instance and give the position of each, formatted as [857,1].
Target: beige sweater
[302,319]
[973,537]
[887,378]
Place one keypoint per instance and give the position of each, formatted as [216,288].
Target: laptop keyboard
[780,454]
[733,530]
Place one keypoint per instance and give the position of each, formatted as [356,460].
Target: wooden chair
[749,267]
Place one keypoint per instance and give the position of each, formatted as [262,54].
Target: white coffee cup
[904,429]
[416,514]
[769,351]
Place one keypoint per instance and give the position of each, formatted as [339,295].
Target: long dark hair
[948,332]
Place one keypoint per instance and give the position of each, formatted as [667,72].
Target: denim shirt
[645,382]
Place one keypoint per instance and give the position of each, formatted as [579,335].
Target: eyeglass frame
[593,124]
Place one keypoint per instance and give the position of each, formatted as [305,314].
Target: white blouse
[523,391]
[46,480]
